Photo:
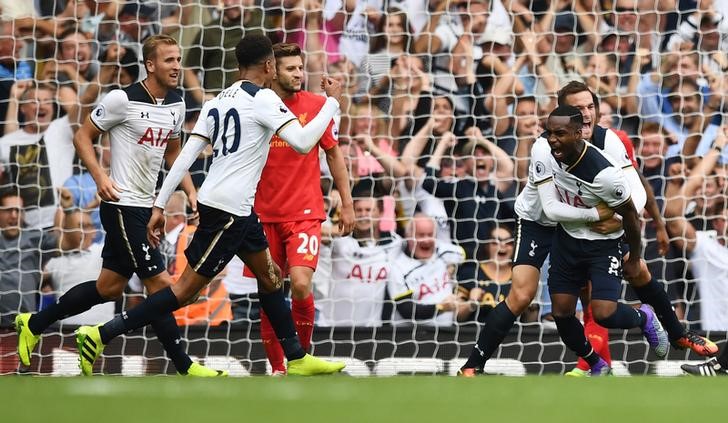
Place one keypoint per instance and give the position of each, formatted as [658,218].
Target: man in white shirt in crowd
[708,251]
[362,264]
[423,282]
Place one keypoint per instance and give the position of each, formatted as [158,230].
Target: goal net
[442,101]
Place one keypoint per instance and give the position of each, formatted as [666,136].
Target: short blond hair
[149,49]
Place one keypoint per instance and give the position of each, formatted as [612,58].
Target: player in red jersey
[290,204]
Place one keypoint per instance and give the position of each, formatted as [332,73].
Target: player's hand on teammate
[607,226]
[631,268]
[332,87]
[155,227]
[107,189]
[604,211]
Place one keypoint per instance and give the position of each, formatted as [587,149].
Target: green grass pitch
[107,399]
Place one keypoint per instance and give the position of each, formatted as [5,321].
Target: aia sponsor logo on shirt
[155,139]
[367,274]
[570,198]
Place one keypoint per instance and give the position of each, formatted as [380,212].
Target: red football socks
[598,336]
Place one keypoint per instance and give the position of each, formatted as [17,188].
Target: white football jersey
[528,205]
[709,262]
[426,282]
[586,183]
[139,128]
[239,124]
[360,274]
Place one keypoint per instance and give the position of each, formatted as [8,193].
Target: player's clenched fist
[332,87]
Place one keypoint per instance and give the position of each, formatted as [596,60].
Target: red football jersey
[627,145]
[290,186]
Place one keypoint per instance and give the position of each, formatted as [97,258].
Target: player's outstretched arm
[83,142]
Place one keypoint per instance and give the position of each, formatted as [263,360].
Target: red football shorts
[293,244]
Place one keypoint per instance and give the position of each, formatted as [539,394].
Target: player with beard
[290,204]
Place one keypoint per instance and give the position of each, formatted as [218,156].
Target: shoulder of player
[590,164]
[116,98]
[138,93]
[540,150]
[611,176]
[265,97]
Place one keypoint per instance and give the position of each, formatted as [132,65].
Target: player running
[239,124]
[144,122]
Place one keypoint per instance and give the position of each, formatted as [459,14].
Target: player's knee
[603,313]
[110,292]
[643,278]
[300,288]
[157,283]
[518,300]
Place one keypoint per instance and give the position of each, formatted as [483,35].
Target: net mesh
[424,81]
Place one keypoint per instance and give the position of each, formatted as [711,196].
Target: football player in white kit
[239,124]
[144,122]
[539,209]
[584,177]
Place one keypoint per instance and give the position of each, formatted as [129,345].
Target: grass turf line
[109,399]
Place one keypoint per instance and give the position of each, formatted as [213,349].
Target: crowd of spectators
[442,101]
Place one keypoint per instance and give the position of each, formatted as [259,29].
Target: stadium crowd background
[443,100]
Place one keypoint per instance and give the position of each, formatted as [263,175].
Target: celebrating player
[239,124]
[538,210]
[144,122]
[584,177]
[290,204]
